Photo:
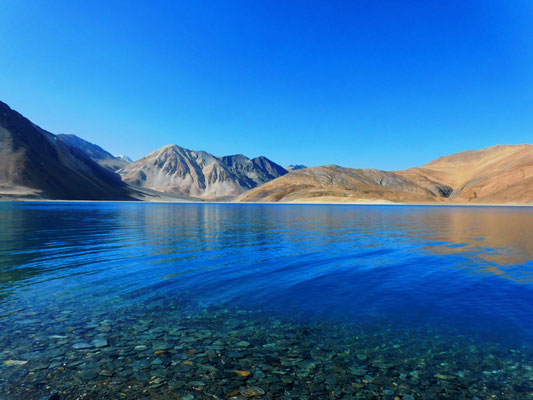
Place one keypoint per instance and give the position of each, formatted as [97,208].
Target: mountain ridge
[198,174]
[497,174]
[35,163]
[95,152]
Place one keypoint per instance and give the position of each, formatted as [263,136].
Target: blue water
[452,271]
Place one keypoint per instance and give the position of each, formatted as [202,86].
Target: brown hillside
[499,174]
[334,183]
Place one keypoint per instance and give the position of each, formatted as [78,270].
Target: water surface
[130,300]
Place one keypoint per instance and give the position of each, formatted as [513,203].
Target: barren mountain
[95,152]
[499,174]
[181,171]
[35,163]
[337,184]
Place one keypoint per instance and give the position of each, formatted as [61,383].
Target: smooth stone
[251,391]
[99,343]
[444,377]
[140,348]
[88,374]
[39,367]
[56,353]
[75,363]
[80,346]
[358,372]
[161,346]
[124,373]
[258,374]
[157,382]
[15,362]
[177,384]
[382,365]
[141,364]
[55,364]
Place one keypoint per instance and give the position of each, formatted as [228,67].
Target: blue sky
[382,84]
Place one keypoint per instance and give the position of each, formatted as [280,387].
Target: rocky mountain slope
[332,183]
[499,174]
[95,152]
[198,174]
[37,164]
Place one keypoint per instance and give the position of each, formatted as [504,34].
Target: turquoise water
[203,301]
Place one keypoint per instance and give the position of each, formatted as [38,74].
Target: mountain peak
[93,151]
[198,174]
[124,158]
[294,167]
[39,164]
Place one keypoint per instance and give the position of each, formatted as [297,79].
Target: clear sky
[360,83]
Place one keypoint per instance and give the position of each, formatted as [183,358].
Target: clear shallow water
[306,301]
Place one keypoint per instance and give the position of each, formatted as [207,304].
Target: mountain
[499,174]
[95,152]
[198,174]
[295,167]
[252,172]
[331,183]
[35,163]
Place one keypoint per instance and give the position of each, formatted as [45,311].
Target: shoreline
[296,203]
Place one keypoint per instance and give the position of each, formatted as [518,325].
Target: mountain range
[36,164]
[198,174]
[498,174]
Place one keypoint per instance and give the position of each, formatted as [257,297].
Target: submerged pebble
[236,355]
[251,391]
[80,346]
[99,343]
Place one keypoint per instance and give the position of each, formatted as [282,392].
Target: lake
[218,301]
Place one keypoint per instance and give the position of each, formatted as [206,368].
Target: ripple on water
[225,301]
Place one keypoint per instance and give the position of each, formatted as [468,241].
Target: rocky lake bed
[239,354]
